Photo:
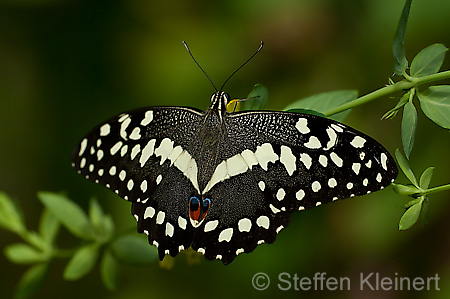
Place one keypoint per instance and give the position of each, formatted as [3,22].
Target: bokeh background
[66,66]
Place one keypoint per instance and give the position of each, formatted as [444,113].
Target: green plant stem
[405,84]
[436,189]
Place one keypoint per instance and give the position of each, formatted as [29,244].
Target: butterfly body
[223,182]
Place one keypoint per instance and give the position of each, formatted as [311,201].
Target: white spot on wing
[83,162]
[306,159]
[122,175]
[356,167]
[244,225]
[323,160]
[300,194]
[302,126]
[211,225]
[249,158]
[158,179]
[236,165]
[112,170]
[280,194]
[160,217]
[124,150]
[383,161]
[358,142]
[100,155]
[116,147]
[263,221]
[288,159]
[130,184]
[144,186]
[226,235]
[336,159]
[182,222]
[333,138]
[169,229]
[187,165]
[175,154]
[262,185]
[123,117]
[136,134]
[379,177]
[147,118]
[105,129]
[135,151]
[164,149]
[83,146]
[147,152]
[332,183]
[337,128]
[315,186]
[274,209]
[149,212]
[313,143]
[265,154]
[124,126]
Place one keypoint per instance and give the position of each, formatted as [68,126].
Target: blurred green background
[66,66]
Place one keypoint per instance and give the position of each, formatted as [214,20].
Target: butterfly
[225,182]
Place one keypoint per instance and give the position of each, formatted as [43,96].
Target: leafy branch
[98,242]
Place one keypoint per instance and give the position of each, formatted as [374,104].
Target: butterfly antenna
[189,51]
[257,51]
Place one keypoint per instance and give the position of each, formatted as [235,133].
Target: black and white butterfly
[224,182]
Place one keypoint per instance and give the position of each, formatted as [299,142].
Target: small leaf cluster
[435,100]
[418,190]
[98,242]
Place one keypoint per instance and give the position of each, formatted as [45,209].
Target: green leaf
[109,271]
[102,223]
[82,262]
[393,112]
[435,103]
[410,217]
[95,213]
[405,190]
[69,214]
[257,98]
[409,124]
[48,226]
[307,111]
[133,250]
[323,102]
[10,217]
[400,62]
[403,163]
[425,178]
[36,240]
[31,281]
[21,253]
[428,61]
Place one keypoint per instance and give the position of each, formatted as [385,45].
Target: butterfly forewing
[250,170]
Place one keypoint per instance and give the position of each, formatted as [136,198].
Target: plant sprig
[98,242]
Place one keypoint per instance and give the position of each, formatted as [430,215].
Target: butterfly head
[219,101]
